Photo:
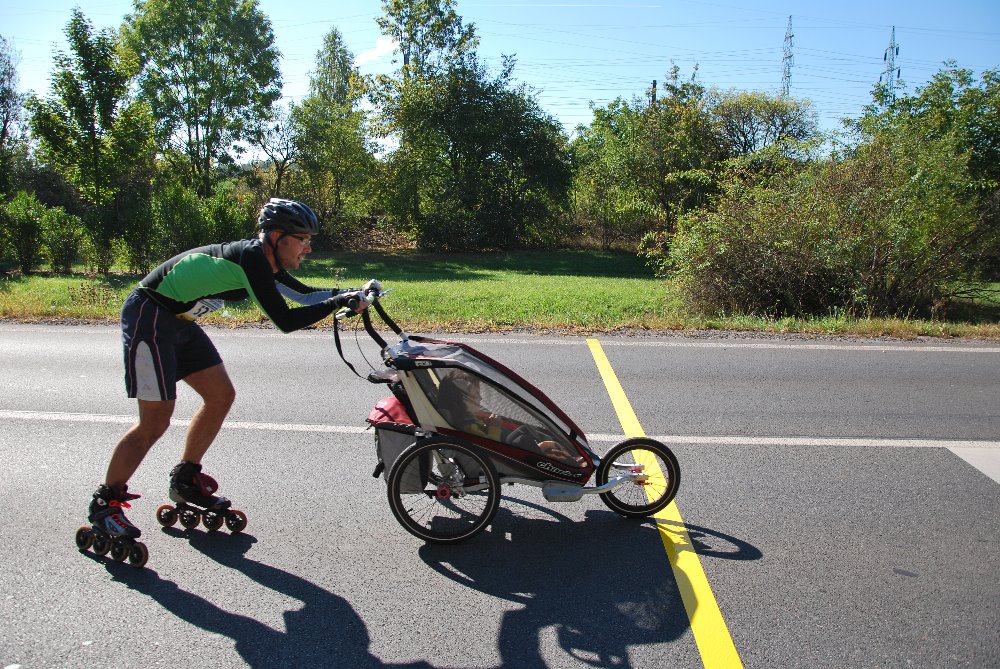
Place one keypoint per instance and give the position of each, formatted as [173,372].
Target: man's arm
[300,293]
[264,288]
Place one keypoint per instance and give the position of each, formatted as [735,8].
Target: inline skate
[110,530]
[195,502]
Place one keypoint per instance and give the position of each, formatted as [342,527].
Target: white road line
[128,420]
[707,440]
[681,342]
[832,346]
[652,341]
[711,440]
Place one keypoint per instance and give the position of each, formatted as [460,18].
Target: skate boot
[110,530]
[195,501]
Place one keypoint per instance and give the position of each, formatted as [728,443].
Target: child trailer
[459,424]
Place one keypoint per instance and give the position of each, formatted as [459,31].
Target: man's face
[293,248]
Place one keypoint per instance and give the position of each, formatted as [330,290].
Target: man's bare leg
[218,395]
[154,419]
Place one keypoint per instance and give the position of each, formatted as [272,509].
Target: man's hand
[373,286]
[352,299]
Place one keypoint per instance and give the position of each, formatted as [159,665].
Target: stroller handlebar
[369,298]
[371,295]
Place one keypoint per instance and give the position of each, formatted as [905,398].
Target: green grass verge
[564,291]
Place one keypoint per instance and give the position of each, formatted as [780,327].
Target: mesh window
[474,406]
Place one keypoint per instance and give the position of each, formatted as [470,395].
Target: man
[163,343]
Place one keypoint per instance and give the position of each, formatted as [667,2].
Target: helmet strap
[274,247]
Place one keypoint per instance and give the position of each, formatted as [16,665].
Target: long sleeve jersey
[234,271]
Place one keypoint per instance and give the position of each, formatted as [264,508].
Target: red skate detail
[206,484]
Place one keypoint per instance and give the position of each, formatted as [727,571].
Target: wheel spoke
[427,493]
[660,477]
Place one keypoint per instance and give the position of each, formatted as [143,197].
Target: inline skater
[164,343]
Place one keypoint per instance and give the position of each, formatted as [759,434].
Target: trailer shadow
[598,588]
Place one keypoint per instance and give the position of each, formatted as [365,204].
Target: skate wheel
[166,515]
[212,520]
[119,550]
[138,554]
[189,518]
[236,521]
[84,538]
[101,543]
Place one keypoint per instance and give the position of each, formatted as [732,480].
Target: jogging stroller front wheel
[442,490]
[653,473]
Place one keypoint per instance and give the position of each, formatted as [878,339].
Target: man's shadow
[596,587]
[324,632]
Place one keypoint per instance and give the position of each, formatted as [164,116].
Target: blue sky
[577,53]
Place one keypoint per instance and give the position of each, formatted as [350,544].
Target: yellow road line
[707,624]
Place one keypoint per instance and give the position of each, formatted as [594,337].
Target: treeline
[168,132]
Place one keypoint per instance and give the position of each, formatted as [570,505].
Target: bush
[229,216]
[139,242]
[177,219]
[888,231]
[63,236]
[21,229]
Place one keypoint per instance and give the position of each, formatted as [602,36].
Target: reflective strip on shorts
[147,381]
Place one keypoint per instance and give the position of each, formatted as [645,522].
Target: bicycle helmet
[290,216]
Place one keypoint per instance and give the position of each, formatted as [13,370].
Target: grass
[565,291]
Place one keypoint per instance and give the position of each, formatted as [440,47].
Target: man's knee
[154,419]
[214,386]
[224,397]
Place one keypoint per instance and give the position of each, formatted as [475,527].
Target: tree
[749,121]
[210,71]
[886,231]
[11,110]
[494,171]
[685,149]
[330,134]
[90,131]
[610,194]
[897,224]
[75,123]
[277,140]
[21,226]
[950,111]
[643,164]
[429,34]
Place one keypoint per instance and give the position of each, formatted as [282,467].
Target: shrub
[63,236]
[229,216]
[21,229]
[887,231]
[140,237]
[178,219]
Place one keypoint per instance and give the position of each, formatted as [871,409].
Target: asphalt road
[842,497]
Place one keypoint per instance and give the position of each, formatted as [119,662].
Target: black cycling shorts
[161,349]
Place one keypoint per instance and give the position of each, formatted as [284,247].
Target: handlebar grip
[350,309]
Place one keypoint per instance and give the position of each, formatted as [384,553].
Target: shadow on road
[711,543]
[325,632]
[592,589]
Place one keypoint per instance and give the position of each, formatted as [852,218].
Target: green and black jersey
[234,271]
